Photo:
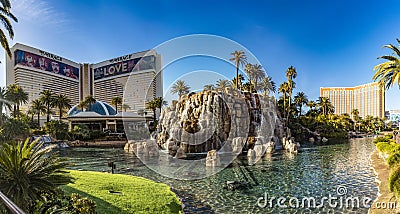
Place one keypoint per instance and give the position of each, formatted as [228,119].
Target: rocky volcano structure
[218,120]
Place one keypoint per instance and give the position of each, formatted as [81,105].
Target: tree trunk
[38,120]
[60,113]
[48,113]
[300,111]
[237,74]
[116,108]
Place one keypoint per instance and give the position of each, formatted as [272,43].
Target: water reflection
[315,171]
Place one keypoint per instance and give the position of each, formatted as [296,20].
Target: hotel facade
[136,77]
[369,99]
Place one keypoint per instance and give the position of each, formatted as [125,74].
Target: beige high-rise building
[36,70]
[369,99]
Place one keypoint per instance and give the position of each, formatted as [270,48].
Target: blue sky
[331,43]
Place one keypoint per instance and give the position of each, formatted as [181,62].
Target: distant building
[369,99]
[36,70]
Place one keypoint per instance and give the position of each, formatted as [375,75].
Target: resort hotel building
[369,99]
[136,77]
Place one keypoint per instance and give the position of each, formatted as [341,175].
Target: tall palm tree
[291,74]
[325,105]
[311,104]
[180,88]
[62,102]
[284,88]
[268,85]
[27,171]
[222,84]
[209,87]
[17,96]
[258,74]
[388,73]
[5,14]
[249,70]
[89,101]
[38,107]
[152,105]
[300,99]
[116,101]
[356,117]
[47,97]
[241,79]
[3,103]
[240,59]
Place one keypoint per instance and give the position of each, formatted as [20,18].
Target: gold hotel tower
[369,99]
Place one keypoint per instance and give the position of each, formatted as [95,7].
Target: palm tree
[356,117]
[284,88]
[82,105]
[62,102]
[311,104]
[249,70]
[388,73]
[17,96]
[116,101]
[325,105]
[180,88]
[300,99]
[258,74]
[47,97]
[267,85]
[291,74]
[27,171]
[239,57]
[209,87]
[5,14]
[38,107]
[152,105]
[3,103]
[241,79]
[89,101]
[222,84]
[125,107]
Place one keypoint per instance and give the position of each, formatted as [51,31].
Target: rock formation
[226,121]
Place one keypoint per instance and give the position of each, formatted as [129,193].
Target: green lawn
[138,195]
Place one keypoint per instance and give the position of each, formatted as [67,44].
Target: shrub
[393,159]
[74,204]
[386,138]
[388,148]
[394,180]
[57,129]
[28,170]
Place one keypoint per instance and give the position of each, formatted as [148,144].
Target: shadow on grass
[101,205]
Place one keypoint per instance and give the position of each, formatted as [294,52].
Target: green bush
[386,138]
[393,159]
[388,148]
[57,129]
[73,204]
[394,180]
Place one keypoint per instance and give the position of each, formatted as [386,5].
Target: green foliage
[15,129]
[73,204]
[393,159]
[386,138]
[388,148]
[394,180]
[57,129]
[137,195]
[80,132]
[27,171]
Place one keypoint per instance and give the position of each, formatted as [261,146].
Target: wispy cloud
[38,11]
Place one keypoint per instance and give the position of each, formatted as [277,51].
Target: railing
[10,205]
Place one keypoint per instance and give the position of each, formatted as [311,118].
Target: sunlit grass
[131,194]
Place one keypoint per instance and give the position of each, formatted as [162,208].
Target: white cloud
[38,12]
